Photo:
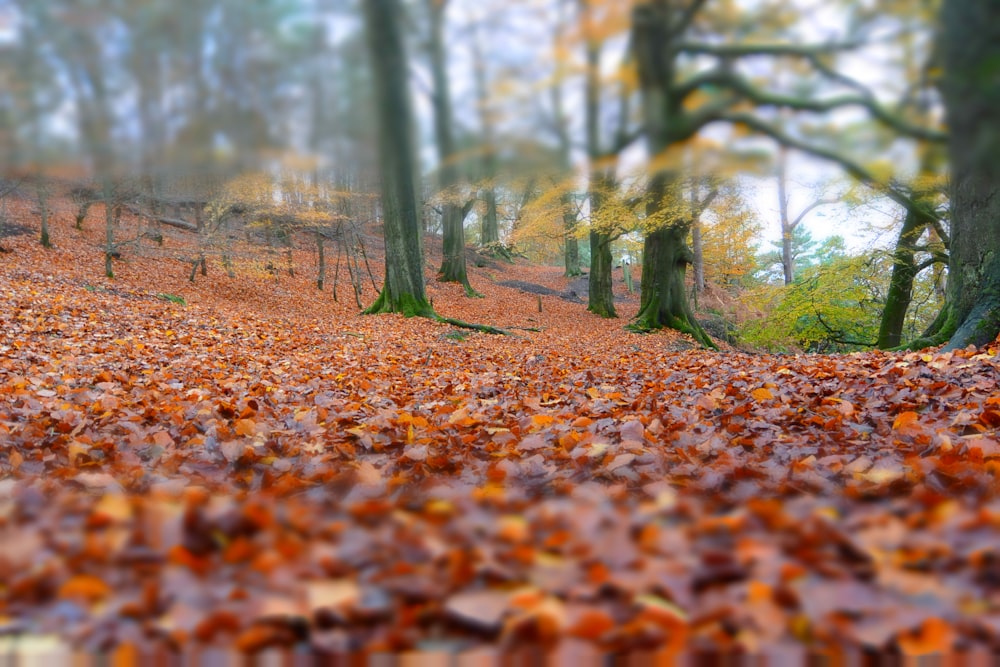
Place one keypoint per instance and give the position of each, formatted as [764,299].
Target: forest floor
[260,468]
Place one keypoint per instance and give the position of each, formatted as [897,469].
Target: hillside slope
[262,467]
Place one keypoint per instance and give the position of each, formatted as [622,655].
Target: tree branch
[836,335]
[743,50]
[850,166]
[816,204]
[936,258]
[865,99]
[940,230]
[686,17]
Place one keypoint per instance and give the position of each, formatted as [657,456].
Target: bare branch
[816,204]
[745,89]
[850,166]
[743,50]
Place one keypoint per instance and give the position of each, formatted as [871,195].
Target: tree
[453,268]
[403,289]
[665,251]
[970,45]
[729,232]
[680,100]
[788,225]
[602,185]
[917,225]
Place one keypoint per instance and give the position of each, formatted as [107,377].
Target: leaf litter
[262,468]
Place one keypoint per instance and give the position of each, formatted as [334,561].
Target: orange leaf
[542,420]
[762,394]
[592,624]
[904,419]
[245,427]
[935,637]
[86,586]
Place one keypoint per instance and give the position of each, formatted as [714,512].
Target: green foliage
[172,298]
[831,307]
[770,270]
[836,304]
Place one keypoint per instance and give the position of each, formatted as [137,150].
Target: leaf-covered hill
[261,468]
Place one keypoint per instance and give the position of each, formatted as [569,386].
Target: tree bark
[970,40]
[403,288]
[571,245]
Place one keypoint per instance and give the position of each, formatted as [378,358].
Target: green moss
[645,324]
[172,298]
[938,333]
[405,304]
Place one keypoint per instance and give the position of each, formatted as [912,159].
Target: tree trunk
[663,299]
[787,261]
[453,269]
[571,246]
[109,227]
[601,300]
[42,190]
[403,288]
[491,220]
[601,296]
[321,261]
[904,271]
[970,37]
[490,232]
[698,256]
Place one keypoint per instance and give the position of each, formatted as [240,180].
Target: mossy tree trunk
[970,41]
[664,301]
[453,266]
[491,219]
[665,256]
[904,272]
[403,288]
[571,245]
[698,257]
[601,299]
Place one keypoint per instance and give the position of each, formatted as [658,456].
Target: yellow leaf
[762,394]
